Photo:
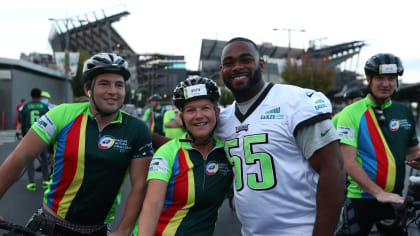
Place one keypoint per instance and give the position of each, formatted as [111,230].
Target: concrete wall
[24,78]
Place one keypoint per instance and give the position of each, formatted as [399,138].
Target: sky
[177,27]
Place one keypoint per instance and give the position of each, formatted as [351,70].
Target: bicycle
[406,213]
[17,230]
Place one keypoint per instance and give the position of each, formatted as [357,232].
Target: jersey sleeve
[347,127]
[143,144]
[50,124]
[146,115]
[162,163]
[312,107]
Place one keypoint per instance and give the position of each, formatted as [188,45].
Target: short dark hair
[243,40]
[36,93]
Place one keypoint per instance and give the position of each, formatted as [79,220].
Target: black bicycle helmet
[105,63]
[353,93]
[384,63]
[194,88]
[155,97]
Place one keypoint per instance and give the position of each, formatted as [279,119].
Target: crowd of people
[279,145]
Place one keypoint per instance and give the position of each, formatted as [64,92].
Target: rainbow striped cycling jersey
[381,146]
[196,187]
[154,119]
[89,165]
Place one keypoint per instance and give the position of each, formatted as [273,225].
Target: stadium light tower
[289,31]
[66,22]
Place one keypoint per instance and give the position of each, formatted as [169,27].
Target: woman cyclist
[189,176]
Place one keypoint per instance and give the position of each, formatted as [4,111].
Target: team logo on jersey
[106,142]
[46,125]
[242,128]
[394,125]
[320,104]
[158,164]
[272,114]
[212,168]
[345,133]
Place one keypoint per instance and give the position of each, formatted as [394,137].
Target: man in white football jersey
[289,177]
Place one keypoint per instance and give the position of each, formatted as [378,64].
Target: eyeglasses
[380,117]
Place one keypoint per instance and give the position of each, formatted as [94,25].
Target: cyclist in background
[95,150]
[376,134]
[153,116]
[29,114]
[173,123]
[350,96]
[190,176]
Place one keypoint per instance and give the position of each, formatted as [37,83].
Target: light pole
[289,30]
[67,86]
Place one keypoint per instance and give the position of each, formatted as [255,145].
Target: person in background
[189,176]
[173,123]
[153,116]
[96,149]
[376,135]
[46,99]
[283,147]
[350,96]
[30,113]
[18,109]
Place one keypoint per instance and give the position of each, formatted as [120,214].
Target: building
[160,73]
[18,78]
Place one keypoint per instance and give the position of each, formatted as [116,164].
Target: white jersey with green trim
[275,187]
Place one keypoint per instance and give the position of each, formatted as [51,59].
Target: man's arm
[158,140]
[26,151]
[138,172]
[362,179]
[153,204]
[414,162]
[328,163]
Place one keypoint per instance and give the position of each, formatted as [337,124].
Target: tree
[77,82]
[313,73]
[226,97]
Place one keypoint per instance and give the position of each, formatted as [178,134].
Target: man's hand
[414,158]
[389,197]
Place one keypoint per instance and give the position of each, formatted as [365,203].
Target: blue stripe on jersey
[171,184]
[58,162]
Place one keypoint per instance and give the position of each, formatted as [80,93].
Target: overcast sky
[178,26]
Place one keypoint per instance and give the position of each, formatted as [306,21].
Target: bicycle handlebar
[20,230]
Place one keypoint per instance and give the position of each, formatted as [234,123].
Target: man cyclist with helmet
[350,96]
[376,135]
[284,150]
[188,176]
[153,116]
[95,150]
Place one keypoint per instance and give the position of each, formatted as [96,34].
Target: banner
[60,61]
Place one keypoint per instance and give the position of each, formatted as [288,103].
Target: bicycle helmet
[353,93]
[105,63]
[194,88]
[155,97]
[384,63]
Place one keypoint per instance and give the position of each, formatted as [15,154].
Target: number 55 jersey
[275,187]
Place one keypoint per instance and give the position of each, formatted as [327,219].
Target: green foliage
[144,95]
[312,73]
[77,82]
[226,97]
